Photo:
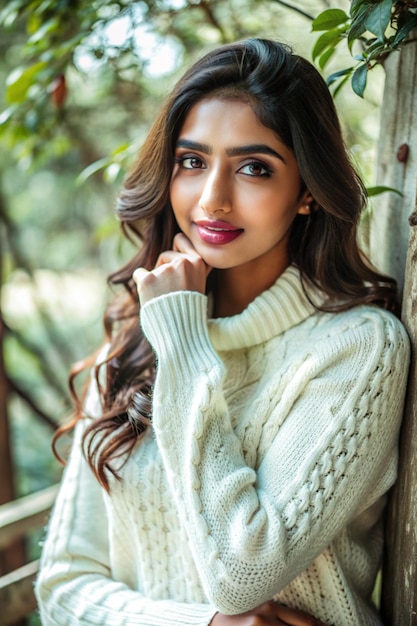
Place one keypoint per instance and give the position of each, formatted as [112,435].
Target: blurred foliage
[65,40]
[82,80]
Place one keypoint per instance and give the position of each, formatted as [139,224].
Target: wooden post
[390,238]
[6,482]
[14,556]
[17,598]
[397,163]
[399,589]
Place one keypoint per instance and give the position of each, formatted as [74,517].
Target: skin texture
[267,613]
[256,191]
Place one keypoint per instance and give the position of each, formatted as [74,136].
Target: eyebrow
[258,148]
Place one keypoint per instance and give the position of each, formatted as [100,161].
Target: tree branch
[63,349]
[211,18]
[27,399]
[294,8]
[46,368]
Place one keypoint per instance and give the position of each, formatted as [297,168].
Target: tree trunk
[397,163]
[14,555]
[399,592]
[390,237]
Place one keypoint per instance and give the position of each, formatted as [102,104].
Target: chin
[216,263]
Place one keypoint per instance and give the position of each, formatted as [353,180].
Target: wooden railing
[17,519]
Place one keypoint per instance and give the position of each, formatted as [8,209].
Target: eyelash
[181,160]
[266,170]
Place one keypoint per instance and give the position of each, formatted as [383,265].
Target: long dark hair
[289,96]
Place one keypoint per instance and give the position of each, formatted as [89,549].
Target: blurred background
[80,82]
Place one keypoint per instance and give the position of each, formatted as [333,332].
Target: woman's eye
[190,163]
[255,168]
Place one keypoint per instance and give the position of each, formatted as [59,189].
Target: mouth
[216,232]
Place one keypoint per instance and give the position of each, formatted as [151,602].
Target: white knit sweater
[274,442]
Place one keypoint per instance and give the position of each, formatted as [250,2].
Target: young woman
[240,432]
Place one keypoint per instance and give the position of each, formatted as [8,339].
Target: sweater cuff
[171,612]
[175,324]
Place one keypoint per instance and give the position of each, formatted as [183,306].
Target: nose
[216,194]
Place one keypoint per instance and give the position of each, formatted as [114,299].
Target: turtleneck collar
[274,311]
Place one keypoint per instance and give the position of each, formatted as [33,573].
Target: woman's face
[235,187]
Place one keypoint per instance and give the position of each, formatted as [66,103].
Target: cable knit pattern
[274,441]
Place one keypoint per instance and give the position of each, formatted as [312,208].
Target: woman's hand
[267,613]
[179,269]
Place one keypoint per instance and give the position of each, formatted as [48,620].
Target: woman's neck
[237,287]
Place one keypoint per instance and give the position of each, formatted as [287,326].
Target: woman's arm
[252,530]
[75,585]
[269,613]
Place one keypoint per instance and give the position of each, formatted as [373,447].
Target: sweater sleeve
[75,585]
[253,530]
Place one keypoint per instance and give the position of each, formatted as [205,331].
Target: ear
[304,207]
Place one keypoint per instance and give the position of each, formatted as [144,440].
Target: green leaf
[33,23]
[328,39]
[359,79]
[358,25]
[111,172]
[91,169]
[375,50]
[379,18]
[325,57]
[122,149]
[6,114]
[355,6]
[19,82]
[373,44]
[330,18]
[9,14]
[375,191]
[45,29]
[333,77]
[340,85]
[407,24]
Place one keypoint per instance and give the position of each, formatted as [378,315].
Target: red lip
[217,232]
[216,224]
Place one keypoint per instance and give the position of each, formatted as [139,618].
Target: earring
[305,209]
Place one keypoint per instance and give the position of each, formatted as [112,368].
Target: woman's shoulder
[365,328]
[371,318]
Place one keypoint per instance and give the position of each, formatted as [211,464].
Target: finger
[166,257]
[139,274]
[170,256]
[182,244]
[295,617]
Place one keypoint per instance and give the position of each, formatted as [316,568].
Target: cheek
[272,215]
[180,204]
[183,196]
[177,189]
[270,205]
[174,196]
